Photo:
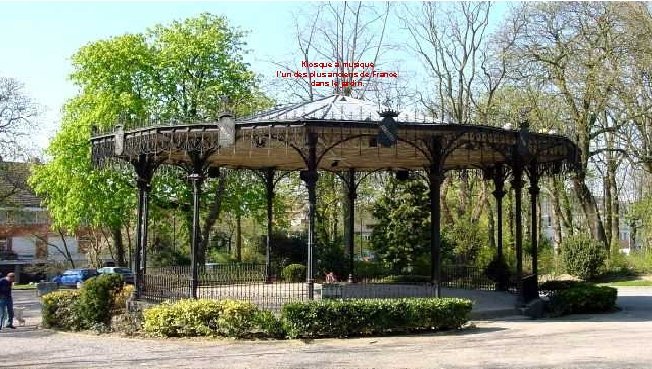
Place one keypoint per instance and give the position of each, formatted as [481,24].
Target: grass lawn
[633,283]
[24,286]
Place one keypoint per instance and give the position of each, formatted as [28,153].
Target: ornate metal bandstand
[341,134]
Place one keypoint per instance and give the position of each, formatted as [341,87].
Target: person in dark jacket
[6,302]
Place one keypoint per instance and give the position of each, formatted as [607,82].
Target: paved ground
[619,340]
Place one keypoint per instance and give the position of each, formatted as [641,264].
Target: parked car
[126,273]
[74,277]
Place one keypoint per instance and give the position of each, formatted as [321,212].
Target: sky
[37,40]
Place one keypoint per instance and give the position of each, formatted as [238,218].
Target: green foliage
[97,299]
[498,271]
[406,278]
[370,269]
[294,273]
[583,256]
[59,310]
[583,299]
[268,325]
[551,287]
[343,318]
[401,233]
[190,318]
[330,258]
[464,239]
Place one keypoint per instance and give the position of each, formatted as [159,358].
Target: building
[26,237]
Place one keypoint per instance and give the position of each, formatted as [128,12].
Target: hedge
[354,317]
[59,310]
[294,273]
[190,318]
[582,298]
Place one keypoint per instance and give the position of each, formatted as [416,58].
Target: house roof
[14,191]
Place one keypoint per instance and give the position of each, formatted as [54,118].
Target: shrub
[498,271]
[582,256]
[406,278]
[59,310]
[97,299]
[189,318]
[583,299]
[268,325]
[342,318]
[120,299]
[549,288]
[369,269]
[294,273]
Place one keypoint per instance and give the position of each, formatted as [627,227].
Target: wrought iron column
[350,224]
[310,177]
[534,192]
[141,237]
[517,185]
[144,168]
[435,179]
[499,193]
[269,187]
[197,180]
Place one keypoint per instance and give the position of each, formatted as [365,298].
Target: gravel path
[619,340]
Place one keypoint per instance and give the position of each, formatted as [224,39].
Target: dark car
[74,277]
[126,273]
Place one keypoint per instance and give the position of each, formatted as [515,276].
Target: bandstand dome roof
[347,136]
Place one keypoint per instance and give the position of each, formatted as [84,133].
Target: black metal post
[310,177]
[138,276]
[351,196]
[517,185]
[269,187]
[435,179]
[499,193]
[143,260]
[534,192]
[197,180]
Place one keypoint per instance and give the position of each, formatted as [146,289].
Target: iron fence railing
[249,282]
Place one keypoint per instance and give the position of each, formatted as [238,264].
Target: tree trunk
[118,246]
[238,236]
[590,209]
[212,216]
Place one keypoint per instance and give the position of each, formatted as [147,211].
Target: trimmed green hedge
[582,299]
[551,287]
[60,310]
[342,318]
[190,318]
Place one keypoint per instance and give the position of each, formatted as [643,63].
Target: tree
[401,234]
[573,50]
[176,72]
[17,114]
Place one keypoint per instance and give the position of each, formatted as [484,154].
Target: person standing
[6,302]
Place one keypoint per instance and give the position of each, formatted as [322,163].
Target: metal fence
[249,282]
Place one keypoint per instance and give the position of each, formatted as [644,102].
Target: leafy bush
[369,269]
[582,256]
[551,287]
[406,278]
[268,325]
[294,273]
[498,271]
[583,299]
[59,310]
[189,318]
[120,299]
[342,318]
[97,299]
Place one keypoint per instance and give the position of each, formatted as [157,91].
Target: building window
[4,245]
